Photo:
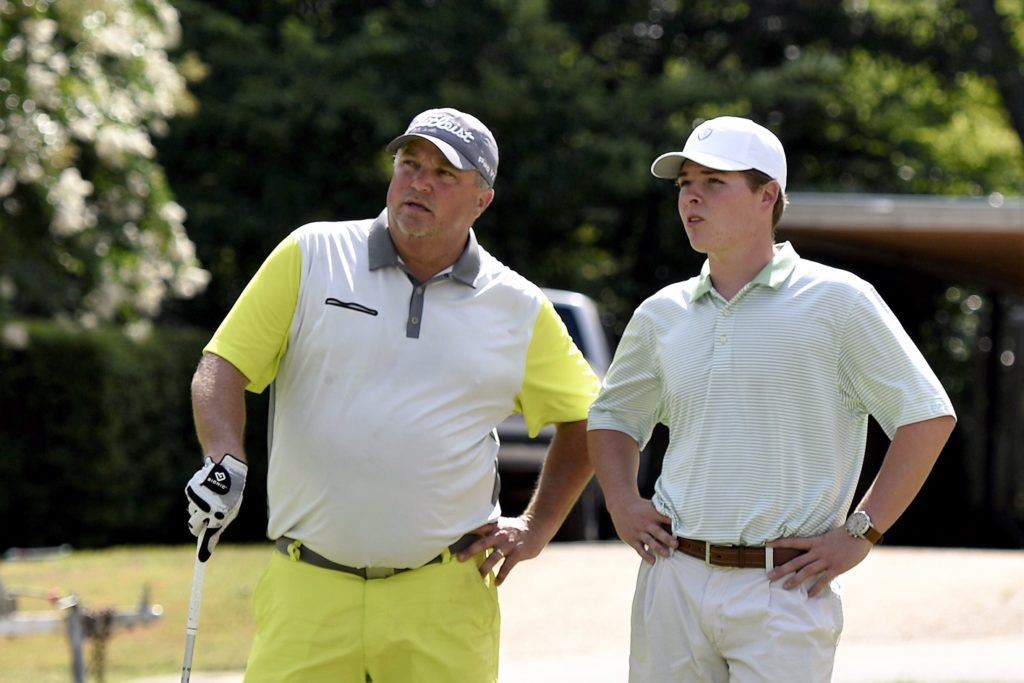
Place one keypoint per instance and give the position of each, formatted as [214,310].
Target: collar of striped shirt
[772,275]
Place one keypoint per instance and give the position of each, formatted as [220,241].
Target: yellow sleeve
[559,384]
[254,335]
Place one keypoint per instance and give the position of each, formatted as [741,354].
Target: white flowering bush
[88,225]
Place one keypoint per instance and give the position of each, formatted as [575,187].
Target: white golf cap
[728,143]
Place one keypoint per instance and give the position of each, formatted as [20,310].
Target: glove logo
[218,481]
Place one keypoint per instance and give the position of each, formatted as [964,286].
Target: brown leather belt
[304,554]
[740,556]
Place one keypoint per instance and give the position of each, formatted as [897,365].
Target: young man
[765,368]
[394,346]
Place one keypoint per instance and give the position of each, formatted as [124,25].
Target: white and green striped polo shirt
[386,391]
[766,397]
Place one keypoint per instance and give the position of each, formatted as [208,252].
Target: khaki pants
[697,623]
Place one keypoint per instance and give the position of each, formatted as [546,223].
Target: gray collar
[382,252]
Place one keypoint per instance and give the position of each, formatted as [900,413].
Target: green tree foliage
[88,226]
[884,96]
[300,98]
[98,442]
[954,37]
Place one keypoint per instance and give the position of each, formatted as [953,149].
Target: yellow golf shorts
[435,624]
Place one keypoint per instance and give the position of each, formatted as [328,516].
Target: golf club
[195,601]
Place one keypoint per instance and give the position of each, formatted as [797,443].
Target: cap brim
[450,153]
[668,165]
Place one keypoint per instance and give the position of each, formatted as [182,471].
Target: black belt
[306,555]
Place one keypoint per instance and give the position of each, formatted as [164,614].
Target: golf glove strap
[214,496]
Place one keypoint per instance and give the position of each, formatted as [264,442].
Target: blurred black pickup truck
[520,458]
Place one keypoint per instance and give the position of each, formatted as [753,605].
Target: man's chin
[413,226]
[412,230]
[697,245]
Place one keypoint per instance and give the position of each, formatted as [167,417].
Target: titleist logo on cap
[462,138]
[442,121]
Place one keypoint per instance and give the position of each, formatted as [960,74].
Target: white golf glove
[214,496]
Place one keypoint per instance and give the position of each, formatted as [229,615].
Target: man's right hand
[214,496]
[639,524]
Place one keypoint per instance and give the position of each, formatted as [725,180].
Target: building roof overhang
[980,239]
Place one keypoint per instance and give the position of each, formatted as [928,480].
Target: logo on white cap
[705,132]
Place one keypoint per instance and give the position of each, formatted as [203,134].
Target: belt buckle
[707,553]
[379,573]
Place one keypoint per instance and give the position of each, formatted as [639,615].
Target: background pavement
[911,615]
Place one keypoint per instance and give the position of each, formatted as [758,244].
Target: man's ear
[770,192]
[483,200]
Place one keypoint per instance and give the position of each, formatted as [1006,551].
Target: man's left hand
[826,557]
[511,541]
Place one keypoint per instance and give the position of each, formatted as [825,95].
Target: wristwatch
[859,525]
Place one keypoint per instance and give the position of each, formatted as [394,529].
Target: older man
[394,346]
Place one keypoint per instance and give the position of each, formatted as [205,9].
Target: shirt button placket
[723,332]
[717,385]
[412,325]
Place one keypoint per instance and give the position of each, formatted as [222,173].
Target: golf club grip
[203,549]
[194,605]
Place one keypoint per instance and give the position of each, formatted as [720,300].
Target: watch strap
[870,533]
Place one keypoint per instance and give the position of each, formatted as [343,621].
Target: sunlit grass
[115,578]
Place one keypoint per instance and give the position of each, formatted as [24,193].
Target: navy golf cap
[463,139]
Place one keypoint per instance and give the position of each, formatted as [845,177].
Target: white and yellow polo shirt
[386,391]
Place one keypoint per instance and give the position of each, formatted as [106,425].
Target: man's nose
[421,179]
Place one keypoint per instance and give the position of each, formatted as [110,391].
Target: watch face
[857,524]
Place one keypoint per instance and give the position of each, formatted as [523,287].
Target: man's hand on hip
[639,525]
[511,540]
[214,495]
[825,557]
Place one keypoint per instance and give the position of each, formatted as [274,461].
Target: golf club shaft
[195,602]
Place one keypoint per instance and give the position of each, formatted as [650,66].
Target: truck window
[565,312]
